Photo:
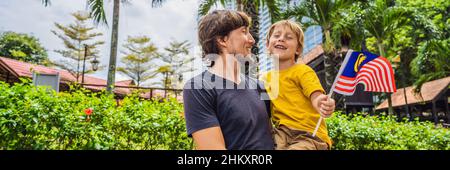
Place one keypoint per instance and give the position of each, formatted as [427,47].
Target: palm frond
[46,3]
[97,11]
[157,3]
[274,10]
[205,6]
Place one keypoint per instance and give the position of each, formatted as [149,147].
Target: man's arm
[209,139]
[202,123]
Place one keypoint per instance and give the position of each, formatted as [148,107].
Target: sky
[174,20]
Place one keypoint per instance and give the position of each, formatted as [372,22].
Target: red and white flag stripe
[376,76]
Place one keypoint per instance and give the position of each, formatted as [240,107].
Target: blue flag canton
[356,61]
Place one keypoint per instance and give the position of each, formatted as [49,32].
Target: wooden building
[431,104]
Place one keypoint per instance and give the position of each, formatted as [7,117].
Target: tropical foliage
[34,118]
[360,132]
[22,47]
[412,34]
[97,11]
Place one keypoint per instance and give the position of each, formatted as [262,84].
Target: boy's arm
[322,103]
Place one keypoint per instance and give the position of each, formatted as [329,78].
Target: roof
[160,93]
[125,83]
[429,91]
[313,54]
[24,69]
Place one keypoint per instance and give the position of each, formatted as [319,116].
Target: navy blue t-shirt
[210,100]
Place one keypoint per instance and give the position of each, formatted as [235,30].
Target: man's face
[239,42]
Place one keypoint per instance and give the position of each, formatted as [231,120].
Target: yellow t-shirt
[290,92]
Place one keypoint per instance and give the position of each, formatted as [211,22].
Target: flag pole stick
[332,87]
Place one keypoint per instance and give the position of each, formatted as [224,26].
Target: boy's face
[283,42]
[238,42]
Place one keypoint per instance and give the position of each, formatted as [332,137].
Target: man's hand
[323,104]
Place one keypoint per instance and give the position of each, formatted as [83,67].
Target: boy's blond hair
[295,27]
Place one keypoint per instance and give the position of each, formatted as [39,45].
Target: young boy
[300,98]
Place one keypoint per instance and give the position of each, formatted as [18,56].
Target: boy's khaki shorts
[289,139]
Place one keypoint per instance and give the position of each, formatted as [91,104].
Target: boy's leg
[300,140]
[280,138]
[305,143]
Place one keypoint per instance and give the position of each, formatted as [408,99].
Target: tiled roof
[125,83]
[429,91]
[23,69]
[160,93]
[313,54]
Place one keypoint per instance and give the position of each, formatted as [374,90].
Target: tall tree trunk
[329,73]
[239,5]
[329,63]
[402,68]
[252,10]
[113,53]
[84,65]
[79,59]
[382,53]
[78,68]
[166,84]
[138,74]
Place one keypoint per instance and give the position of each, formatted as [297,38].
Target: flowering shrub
[34,118]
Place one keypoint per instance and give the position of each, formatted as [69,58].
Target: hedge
[360,132]
[34,118]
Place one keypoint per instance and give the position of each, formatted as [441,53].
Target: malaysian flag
[373,71]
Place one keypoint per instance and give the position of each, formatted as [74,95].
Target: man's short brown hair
[219,24]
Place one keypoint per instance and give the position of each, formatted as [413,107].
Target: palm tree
[98,13]
[381,20]
[251,8]
[325,13]
[431,62]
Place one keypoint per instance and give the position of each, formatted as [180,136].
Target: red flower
[88,111]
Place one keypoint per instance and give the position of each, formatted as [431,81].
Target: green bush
[359,132]
[34,118]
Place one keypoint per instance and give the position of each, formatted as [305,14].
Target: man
[223,109]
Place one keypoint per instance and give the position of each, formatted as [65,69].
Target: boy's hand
[326,105]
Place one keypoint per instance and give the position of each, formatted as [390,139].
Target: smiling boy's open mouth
[280,47]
